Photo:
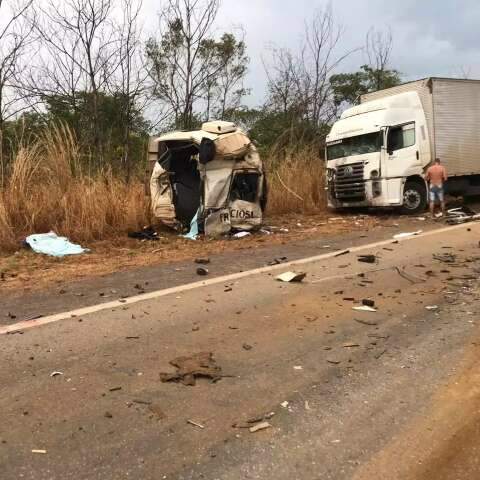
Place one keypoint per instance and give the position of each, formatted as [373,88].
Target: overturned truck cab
[213,177]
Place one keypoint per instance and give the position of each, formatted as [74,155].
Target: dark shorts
[436,193]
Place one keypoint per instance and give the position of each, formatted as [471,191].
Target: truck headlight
[374,174]
[330,174]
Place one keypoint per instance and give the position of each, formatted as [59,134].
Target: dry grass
[47,188]
[297,183]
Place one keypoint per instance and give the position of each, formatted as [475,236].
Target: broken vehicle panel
[215,172]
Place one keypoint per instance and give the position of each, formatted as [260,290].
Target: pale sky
[431,37]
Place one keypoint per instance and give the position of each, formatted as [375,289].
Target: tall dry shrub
[48,188]
[296,182]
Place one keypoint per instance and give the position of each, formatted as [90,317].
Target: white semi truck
[378,151]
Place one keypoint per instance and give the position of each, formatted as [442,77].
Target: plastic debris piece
[42,451]
[291,277]
[284,404]
[53,245]
[193,233]
[431,307]
[55,374]
[298,367]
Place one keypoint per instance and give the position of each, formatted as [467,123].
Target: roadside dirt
[386,394]
[26,270]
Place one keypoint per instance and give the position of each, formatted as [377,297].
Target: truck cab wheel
[414,198]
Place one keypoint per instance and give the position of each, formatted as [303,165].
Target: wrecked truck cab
[213,176]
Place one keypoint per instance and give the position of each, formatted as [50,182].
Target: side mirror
[390,151]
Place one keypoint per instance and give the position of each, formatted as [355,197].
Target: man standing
[436,177]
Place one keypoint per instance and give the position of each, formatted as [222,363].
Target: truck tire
[414,198]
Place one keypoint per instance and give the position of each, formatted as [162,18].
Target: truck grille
[349,183]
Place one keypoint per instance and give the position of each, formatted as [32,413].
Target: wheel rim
[412,199]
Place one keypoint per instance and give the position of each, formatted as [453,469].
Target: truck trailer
[378,151]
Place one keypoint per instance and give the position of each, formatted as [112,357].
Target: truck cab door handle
[418,155]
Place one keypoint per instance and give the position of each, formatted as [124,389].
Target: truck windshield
[358,145]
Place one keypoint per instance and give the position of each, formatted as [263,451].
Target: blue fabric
[193,233]
[52,244]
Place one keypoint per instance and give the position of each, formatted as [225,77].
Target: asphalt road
[354,395]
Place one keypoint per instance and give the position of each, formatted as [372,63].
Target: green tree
[347,87]
[191,72]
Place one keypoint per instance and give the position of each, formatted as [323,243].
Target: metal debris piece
[195,424]
[259,426]
[368,302]
[202,271]
[364,308]
[39,451]
[55,374]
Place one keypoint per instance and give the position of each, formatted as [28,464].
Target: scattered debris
[114,389]
[399,236]
[459,215]
[259,426]
[298,367]
[409,277]
[246,346]
[367,258]
[157,411]
[284,404]
[350,345]
[39,451]
[241,234]
[334,362]
[108,415]
[53,245]
[202,261]
[364,308]
[55,374]
[365,322]
[146,233]
[378,355]
[368,302]
[189,368]
[202,271]
[195,424]
[445,257]
[431,307]
[344,252]
[291,277]
[133,337]
[278,261]
[141,402]
[307,405]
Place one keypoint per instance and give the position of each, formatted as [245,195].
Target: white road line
[23,325]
